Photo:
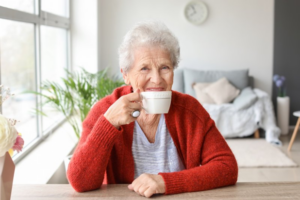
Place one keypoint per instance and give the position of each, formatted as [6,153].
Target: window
[18,72]
[22,5]
[33,48]
[54,63]
[58,7]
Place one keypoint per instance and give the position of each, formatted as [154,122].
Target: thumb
[139,92]
[130,187]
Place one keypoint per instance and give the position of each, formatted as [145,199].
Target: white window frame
[47,19]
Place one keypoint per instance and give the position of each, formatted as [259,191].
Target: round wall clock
[196,12]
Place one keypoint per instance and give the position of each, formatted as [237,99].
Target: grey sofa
[250,110]
[184,78]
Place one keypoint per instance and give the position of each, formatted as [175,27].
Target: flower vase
[7,169]
[283,113]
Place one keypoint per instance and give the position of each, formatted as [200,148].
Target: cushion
[245,99]
[238,78]
[202,97]
[222,91]
[178,84]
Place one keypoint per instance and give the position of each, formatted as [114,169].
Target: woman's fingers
[149,192]
[139,186]
[130,187]
[134,106]
[136,186]
[143,189]
[136,96]
[120,112]
[148,184]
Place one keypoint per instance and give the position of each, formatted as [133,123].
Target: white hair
[153,33]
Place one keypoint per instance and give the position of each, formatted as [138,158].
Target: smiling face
[152,70]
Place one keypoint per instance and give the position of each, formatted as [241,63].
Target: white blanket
[232,123]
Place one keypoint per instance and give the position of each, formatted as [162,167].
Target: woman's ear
[125,77]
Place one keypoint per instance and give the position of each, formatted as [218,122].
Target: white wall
[238,34]
[84,38]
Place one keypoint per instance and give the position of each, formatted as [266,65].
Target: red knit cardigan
[104,155]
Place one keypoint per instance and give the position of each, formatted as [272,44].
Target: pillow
[202,97]
[222,91]
[245,99]
[238,78]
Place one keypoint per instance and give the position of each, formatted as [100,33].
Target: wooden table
[268,191]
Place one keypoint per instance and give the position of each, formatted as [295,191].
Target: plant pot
[7,170]
[283,113]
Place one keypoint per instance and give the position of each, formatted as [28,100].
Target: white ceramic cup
[156,102]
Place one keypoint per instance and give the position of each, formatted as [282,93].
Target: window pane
[54,63]
[22,5]
[17,61]
[58,7]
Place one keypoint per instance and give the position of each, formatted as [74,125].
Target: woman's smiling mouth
[155,89]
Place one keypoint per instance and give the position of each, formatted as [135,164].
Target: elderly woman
[181,151]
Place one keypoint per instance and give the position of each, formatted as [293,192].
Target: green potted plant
[77,93]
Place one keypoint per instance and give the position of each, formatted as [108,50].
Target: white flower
[8,135]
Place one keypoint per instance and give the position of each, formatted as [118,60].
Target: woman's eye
[144,69]
[165,69]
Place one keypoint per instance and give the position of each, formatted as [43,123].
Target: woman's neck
[149,124]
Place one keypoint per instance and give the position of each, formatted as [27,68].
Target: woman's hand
[148,184]
[119,113]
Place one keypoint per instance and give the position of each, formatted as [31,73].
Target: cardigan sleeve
[218,165]
[88,164]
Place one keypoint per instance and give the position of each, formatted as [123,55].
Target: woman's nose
[156,77]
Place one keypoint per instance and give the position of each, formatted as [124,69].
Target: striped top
[152,158]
